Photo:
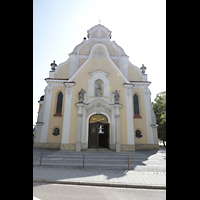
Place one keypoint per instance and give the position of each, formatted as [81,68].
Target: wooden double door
[98,135]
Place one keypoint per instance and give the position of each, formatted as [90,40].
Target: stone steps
[98,150]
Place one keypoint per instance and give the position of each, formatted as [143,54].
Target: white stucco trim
[99,71]
[67,113]
[60,65]
[56,82]
[100,107]
[87,124]
[147,103]
[108,56]
[140,83]
[135,67]
[98,74]
[129,114]
[73,61]
[47,106]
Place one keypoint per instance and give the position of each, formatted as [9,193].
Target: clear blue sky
[138,26]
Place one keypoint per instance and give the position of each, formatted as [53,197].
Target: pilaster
[79,126]
[117,128]
[147,102]
[47,105]
[129,113]
[67,114]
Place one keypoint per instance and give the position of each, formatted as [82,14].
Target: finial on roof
[99,21]
[53,65]
[143,68]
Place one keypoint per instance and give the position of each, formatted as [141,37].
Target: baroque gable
[96,80]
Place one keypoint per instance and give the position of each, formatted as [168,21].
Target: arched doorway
[98,136]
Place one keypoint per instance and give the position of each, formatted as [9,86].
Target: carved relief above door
[98,118]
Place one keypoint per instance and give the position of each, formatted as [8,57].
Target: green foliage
[159,107]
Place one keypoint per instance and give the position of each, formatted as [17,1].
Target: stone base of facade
[72,147]
[127,147]
[47,145]
[146,146]
[68,147]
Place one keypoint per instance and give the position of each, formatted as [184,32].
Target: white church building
[96,99]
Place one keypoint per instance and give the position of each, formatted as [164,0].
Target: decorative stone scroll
[69,88]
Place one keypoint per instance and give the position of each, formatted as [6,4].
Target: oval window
[138,134]
[56,131]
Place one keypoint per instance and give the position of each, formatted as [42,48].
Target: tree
[159,107]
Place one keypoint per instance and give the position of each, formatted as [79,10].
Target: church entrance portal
[98,132]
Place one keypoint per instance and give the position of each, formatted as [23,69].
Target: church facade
[96,99]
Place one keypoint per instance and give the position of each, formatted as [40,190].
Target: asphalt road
[74,192]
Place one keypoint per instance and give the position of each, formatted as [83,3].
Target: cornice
[128,85]
[55,80]
[141,83]
[69,84]
[99,71]
[98,103]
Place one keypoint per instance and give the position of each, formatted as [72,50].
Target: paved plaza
[147,168]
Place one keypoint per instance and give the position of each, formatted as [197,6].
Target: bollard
[40,158]
[128,163]
[83,160]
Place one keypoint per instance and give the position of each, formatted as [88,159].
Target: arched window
[59,103]
[136,106]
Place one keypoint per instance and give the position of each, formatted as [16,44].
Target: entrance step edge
[98,150]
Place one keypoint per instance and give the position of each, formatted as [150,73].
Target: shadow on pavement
[60,165]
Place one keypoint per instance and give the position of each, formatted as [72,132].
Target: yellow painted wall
[81,61]
[81,81]
[86,49]
[116,62]
[63,71]
[94,34]
[133,74]
[55,121]
[103,34]
[140,123]
[112,51]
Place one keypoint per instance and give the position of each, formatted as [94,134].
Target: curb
[101,184]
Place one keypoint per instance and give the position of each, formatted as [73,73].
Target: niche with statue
[98,89]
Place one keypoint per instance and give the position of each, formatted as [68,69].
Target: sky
[138,26]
